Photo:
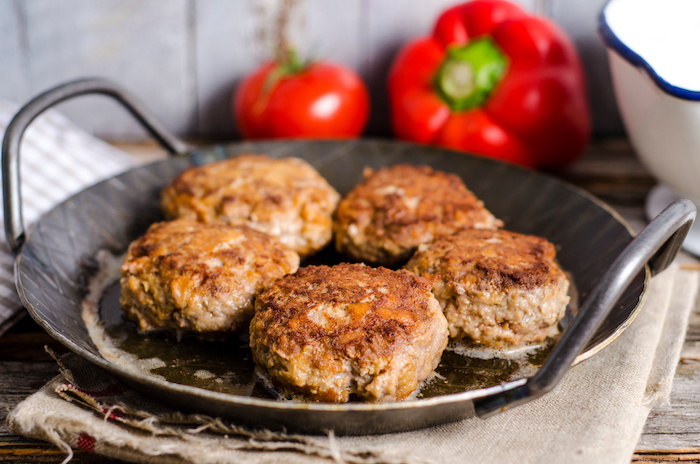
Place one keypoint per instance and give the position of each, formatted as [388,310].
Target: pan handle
[12,202]
[656,245]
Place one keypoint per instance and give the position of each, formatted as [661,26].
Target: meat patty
[283,197]
[329,332]
[187,276]
[497,288]
[395,209]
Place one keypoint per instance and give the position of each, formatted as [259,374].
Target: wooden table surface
[608,170]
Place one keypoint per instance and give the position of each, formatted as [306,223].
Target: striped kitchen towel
[57,159]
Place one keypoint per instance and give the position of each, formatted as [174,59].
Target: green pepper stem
[469,74]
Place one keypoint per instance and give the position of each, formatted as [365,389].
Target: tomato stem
[288,61]
[287,64]
[470,73]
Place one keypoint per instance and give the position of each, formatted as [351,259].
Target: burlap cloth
[596,414]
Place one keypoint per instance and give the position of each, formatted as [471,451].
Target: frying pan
[608,266]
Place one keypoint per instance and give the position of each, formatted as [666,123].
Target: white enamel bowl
[654,55]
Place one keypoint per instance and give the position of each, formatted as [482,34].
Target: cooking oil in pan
[226,365]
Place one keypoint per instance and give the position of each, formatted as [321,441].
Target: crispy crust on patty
[395,209]
[328,332]
[497,288]
[187,276]
[283,197]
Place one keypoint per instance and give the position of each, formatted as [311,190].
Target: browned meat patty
[395,209]
[329,332]
[283,197]
[497,288]
[187,276]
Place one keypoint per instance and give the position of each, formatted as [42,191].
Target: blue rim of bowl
[614,42]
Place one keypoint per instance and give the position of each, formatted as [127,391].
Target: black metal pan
[609,268]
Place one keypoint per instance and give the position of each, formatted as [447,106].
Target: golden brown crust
[494,259]
[395,209]
[498,288]
[284,197]
[192,277]
[327,332]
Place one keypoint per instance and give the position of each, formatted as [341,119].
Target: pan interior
[59,258]
[226,365]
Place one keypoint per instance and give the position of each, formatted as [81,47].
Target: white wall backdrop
[183,58]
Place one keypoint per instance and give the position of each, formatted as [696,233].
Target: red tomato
[322,100]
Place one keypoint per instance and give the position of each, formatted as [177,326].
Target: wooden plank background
[183,58]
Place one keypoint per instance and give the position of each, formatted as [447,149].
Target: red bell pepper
[496,81]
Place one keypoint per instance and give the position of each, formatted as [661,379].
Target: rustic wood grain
[667,456]
[19,380]
[232,38]
[40,452]
[184,57]
[142,44]
[24,368]
[676,425]
[13,52]
[226,47]
[580,21]
[609,168]
[386,29]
